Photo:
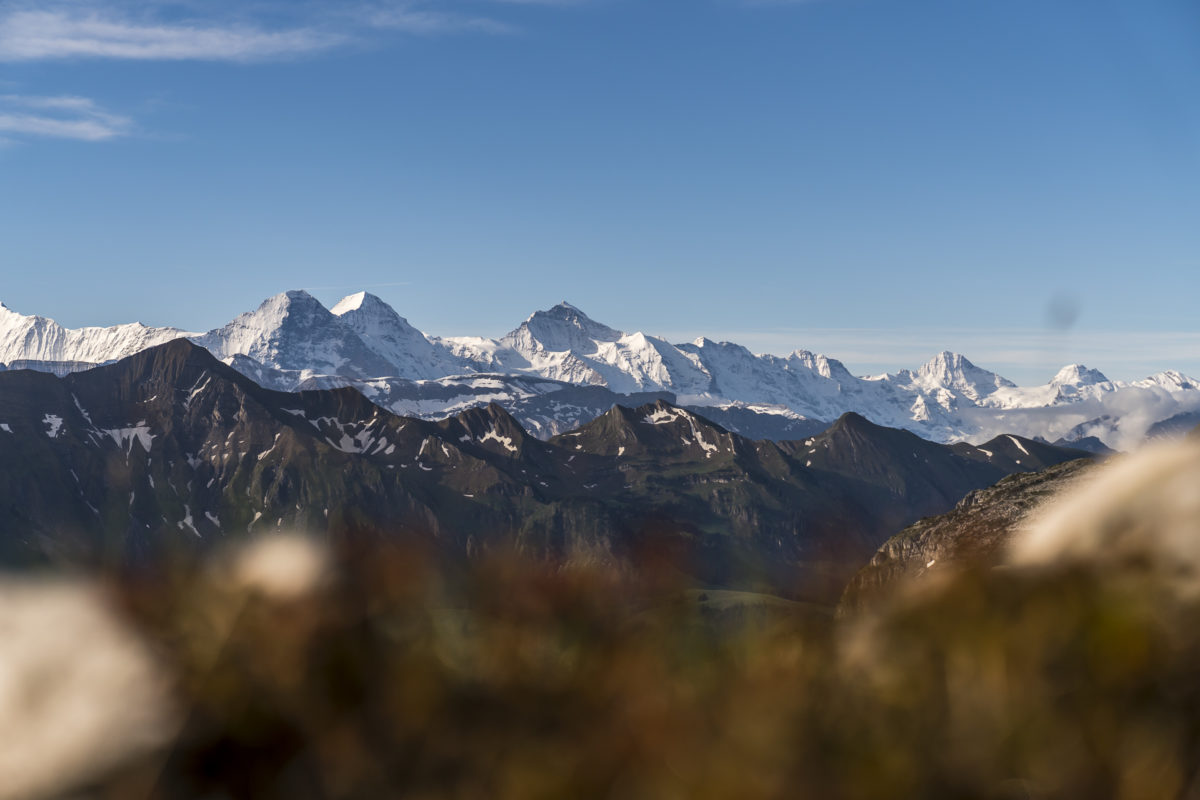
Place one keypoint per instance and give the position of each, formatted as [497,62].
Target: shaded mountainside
[1177,426]
[170,452]
[976,532]
[756,422]
[1089,443]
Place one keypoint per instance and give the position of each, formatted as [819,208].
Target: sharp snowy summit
[387,334]
[954,373]
[560,368]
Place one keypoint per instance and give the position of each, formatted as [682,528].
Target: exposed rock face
[977,532]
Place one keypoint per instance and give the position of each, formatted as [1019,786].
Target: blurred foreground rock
[80,693]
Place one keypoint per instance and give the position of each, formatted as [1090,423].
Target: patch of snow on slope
[1020,446]
[82,410]
[54,425]
[124,437]
[187,521]
[709,448]
[493,436]
[200,387]
[662,416]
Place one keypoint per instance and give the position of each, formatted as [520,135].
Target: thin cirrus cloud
[108,31]
[59,117]
[27,35]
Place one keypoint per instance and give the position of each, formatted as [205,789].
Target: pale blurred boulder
[80,693]
[1139,512]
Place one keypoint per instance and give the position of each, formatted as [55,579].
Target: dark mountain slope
[170,451]
[174,450]
[755,424]
[1177,426]
[1088,443]
[824,503]
[1018,454]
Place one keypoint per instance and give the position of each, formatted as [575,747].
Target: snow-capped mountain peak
[390,336]
[944,362]
[292,302]
[293,331]
[955,372]
[1171,380]
[1078,375]
[565,327]
[353,302]
[564,343]
[364,310]
[1073,384]
[822,365]
[295,308]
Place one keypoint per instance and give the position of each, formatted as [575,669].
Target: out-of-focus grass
[527,680]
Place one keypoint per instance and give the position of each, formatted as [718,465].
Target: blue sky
[1018,180]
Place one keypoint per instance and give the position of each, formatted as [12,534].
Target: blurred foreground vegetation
[376,676]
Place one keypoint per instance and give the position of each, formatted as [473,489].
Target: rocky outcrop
[976,532]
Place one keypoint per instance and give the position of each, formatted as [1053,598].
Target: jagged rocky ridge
[292,342]
[170,452]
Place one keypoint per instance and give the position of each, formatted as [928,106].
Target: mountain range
[170,452]
[560,368]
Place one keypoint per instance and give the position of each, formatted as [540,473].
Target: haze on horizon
[1016,181]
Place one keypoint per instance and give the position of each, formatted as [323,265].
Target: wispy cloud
[198,30]
[76,33]
[253,32]
[59,117]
